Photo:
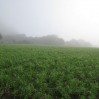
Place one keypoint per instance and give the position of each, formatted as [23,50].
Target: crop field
[45,72]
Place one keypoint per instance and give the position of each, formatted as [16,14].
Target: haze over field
[49,49]
[69,19]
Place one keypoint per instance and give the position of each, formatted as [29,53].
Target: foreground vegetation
[38,72]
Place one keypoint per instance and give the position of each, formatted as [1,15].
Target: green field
[45,72]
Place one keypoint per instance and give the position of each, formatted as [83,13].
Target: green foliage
[38,72]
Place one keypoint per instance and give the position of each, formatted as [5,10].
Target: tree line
[44,40]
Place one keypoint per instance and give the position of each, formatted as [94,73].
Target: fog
[68,19]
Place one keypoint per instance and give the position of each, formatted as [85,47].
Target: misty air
[49,49]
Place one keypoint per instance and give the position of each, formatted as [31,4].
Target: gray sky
[78,19]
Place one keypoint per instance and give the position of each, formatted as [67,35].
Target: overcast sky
[78,19]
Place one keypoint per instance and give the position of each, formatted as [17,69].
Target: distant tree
[0,36]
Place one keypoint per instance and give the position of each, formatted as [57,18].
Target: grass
[45,72]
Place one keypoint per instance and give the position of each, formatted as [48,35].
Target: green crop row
[45,72]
